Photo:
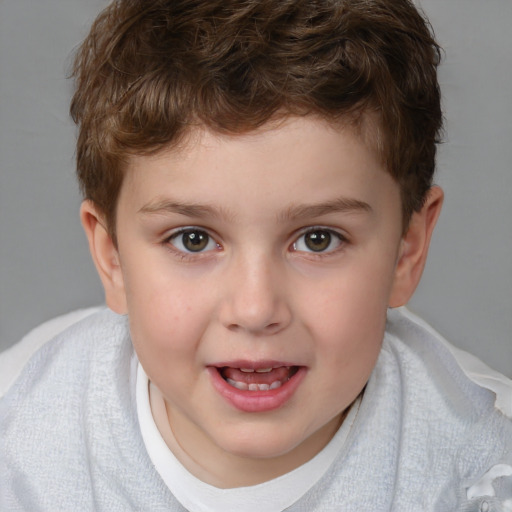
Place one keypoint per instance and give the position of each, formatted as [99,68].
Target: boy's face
[256,271]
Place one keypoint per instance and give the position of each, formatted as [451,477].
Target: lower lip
[257,401]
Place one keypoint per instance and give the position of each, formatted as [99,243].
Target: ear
[414,248]
[105,256]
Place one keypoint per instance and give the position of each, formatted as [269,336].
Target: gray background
[45,269]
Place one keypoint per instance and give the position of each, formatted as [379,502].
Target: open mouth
[257,387]
[257,379]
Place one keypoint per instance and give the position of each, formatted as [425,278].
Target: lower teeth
[253,386]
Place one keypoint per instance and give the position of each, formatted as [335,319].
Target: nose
[255,298]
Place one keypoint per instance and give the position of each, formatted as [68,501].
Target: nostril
[268,329]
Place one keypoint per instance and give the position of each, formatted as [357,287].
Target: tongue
[282,374]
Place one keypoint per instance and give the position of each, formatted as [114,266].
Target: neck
[211,464]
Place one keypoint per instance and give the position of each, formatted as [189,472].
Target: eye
[318,240]
[193,240]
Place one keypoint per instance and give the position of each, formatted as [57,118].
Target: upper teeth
[259,370]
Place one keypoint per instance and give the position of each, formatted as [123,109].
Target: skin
[257,292]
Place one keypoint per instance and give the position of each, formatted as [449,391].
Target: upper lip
[253,365]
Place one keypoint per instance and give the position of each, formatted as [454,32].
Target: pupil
[318,240]
[195,240]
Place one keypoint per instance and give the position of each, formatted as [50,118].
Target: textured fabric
[69,436]
[426,437]
[15,358]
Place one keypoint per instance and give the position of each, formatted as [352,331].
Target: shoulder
[421,337]
[68,421]
[14,359]
[72,327]
[74,377]
[455,410]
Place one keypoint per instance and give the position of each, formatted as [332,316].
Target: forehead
[315,136]
[261,174]
[365,127]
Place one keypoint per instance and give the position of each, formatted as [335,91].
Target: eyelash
[184,253]
[333,235]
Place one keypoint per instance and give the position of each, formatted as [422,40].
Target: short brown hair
[149,71]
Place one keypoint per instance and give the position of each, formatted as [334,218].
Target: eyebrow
[187,209]
[295,212]
[340,205]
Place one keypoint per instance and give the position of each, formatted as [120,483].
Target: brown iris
[195,241]
[317,241]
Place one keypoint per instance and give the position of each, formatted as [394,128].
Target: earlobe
[414,248]
[105,256]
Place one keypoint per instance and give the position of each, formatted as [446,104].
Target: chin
[259,442]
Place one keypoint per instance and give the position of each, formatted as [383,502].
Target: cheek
[167,318]
[351,342]
[353,296]
[348,313]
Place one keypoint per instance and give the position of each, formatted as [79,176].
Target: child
[259,204]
